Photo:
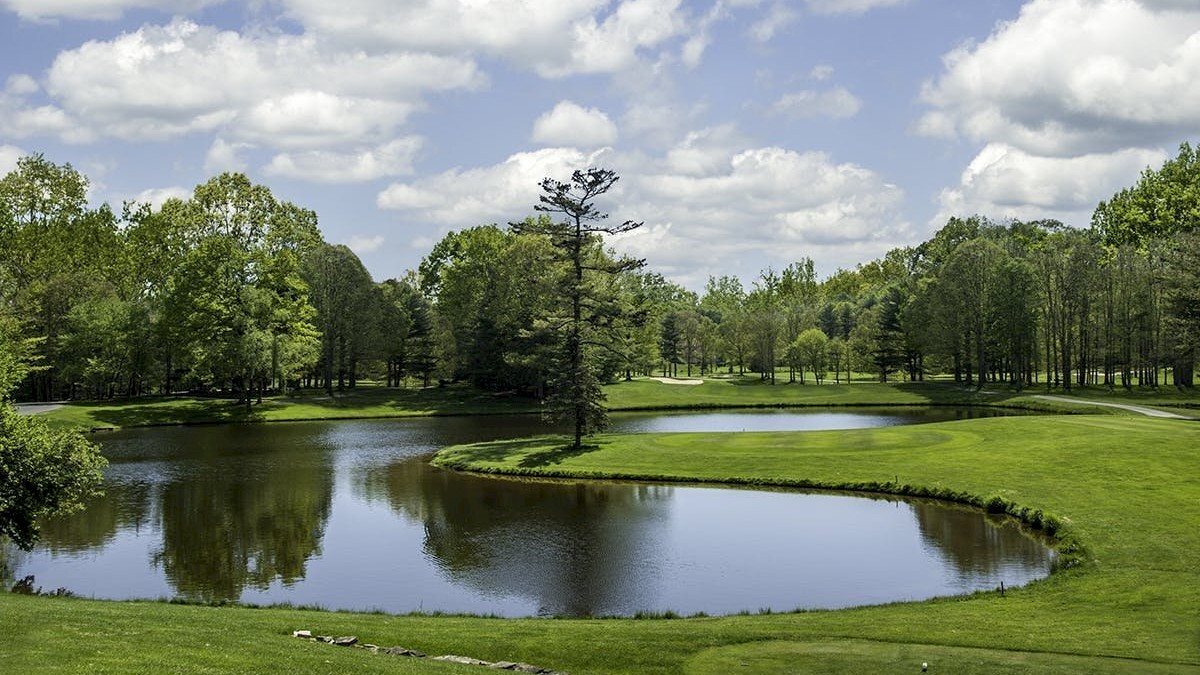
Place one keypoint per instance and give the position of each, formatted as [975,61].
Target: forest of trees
[235,292]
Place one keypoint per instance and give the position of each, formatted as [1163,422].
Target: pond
[350,515]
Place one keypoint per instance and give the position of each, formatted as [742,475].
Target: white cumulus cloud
[837,103]
[394,158]
[554,39]
[778,17]
[97,9]
[498,193]
[1069,101]
[570,124]
[765,206]
[224,156]
[1006,182]
[362,244]
[155,197]
[1072,77]
[9,154]
[277,90]
[849,6]
[710,205]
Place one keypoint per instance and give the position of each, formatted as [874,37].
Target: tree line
[234,291]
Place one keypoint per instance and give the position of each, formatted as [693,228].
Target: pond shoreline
[1127,608]
[1047,526]
[304,496]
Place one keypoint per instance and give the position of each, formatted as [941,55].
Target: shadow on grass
[555,455]
[528,453]
[952,393]
[166,411]
[310,404]
[451,399]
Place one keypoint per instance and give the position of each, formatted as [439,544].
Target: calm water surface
[350,515]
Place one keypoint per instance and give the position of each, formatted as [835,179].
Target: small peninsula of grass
[640,394]
[1122,486]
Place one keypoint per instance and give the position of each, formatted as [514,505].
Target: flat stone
[302,634]
[345,641]
[465,660]
[518,667]
[325,638]
[401,651]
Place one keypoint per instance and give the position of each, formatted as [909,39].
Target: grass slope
[1124,486]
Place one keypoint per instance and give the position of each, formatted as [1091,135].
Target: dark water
[350,515]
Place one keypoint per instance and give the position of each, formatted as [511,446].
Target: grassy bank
[359,403]
[642,394]
[1123,486]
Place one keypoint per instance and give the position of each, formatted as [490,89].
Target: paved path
[37,408]
[1150,412]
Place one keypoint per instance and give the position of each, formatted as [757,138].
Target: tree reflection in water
[122,506]
[977,547]
[573,548]
[221,534]
[226,527]
[223,513]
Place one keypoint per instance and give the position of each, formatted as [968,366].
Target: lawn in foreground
[1125,487]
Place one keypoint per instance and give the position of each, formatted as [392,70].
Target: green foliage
[812,348]
[42,473]
[15,355]
[1164,202]
[220,291]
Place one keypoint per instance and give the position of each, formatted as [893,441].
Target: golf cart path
[1149,412]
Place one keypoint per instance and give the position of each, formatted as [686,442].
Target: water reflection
[225,530]
[565,547]
[979,546]
[123,506]
[351,515]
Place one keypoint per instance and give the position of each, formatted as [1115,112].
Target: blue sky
[748,133]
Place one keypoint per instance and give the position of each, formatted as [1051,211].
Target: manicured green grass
[854,657]
[1124,487]
[364,402]
[1166,397]
[640,394]
[646,394]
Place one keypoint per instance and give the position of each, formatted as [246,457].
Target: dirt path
[1149,412]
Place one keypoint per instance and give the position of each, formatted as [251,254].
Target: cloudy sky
[748,133]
